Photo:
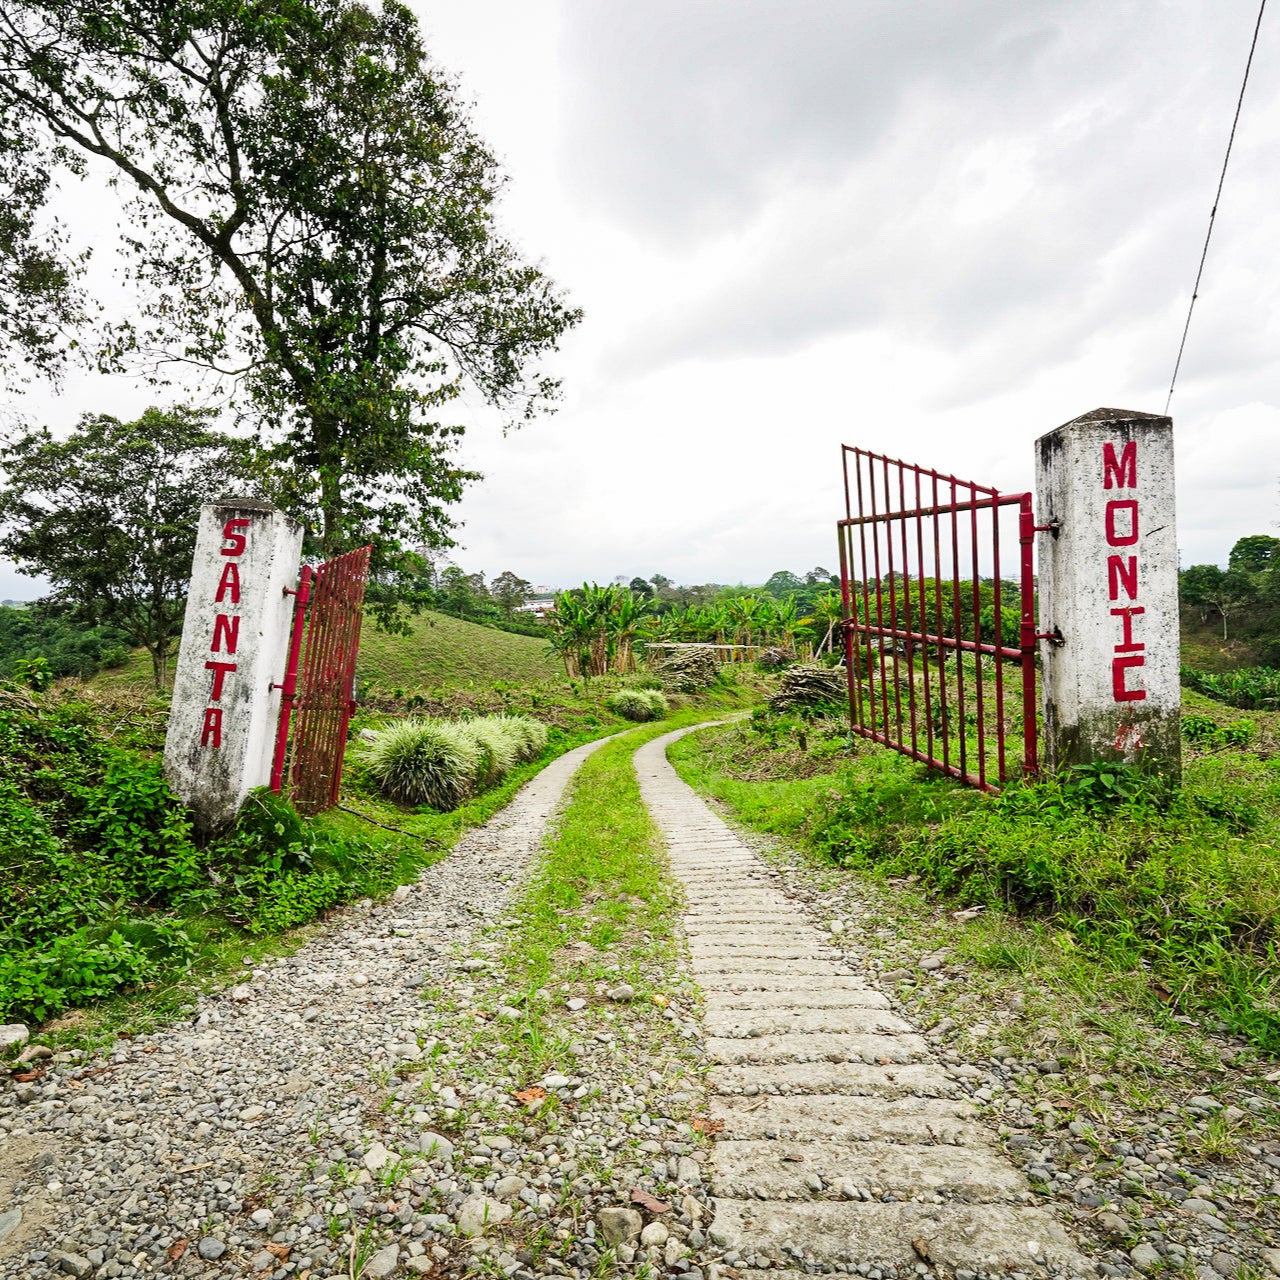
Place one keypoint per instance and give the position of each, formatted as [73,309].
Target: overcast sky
[936,229]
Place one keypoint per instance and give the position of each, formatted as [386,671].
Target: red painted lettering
[220,672]
[1128,644]
[226,629]
[230,583]
[238,540]
[1122,571]
[1123,471]
[211,734]
[1113,536]
[1119,690]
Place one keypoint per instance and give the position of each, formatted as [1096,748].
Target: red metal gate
[928,650]
[322,692]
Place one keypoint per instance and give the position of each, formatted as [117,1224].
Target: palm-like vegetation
[596,629]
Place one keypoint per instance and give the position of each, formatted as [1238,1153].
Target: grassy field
[448,651]
[439,651]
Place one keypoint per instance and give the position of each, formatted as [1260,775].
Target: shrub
[431,762]
[529,734]
[1250,688]
[441,762]
[657,702]
[633,704]
[498,746]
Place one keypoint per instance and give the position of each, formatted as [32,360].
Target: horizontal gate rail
[923,678]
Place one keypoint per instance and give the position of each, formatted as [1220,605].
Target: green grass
[602,903]
[439,651]
[1180,893]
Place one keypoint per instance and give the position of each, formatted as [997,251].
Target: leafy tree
[820,577]
[509,592]
[639,587]
[43,632]
[783,583]
[1227,592]
[1255,554]
[311,214]
[106,516]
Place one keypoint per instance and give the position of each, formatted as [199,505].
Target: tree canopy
[310,213]
[106,515]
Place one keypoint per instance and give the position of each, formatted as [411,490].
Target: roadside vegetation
[115,903]
[1104,867]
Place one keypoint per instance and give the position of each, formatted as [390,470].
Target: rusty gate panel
[322,704]
[927,656]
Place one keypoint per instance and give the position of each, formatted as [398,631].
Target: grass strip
[600,909]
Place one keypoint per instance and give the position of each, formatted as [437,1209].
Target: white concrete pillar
[1108,581]
[235,635]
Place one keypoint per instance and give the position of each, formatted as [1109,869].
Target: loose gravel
[270,1135]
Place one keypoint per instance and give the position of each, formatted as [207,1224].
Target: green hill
[447,651]
[438,651]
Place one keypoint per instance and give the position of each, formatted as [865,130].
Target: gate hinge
[1054,637]
[1054,527]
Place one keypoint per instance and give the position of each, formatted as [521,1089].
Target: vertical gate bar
[309,760]
[855,688]
[924,623]
[997,603]
[1027,635]
[875,546]
[942,649]
[289,685]
[906,606]
[893,602]
[959,630]
[977,639]
[869,712]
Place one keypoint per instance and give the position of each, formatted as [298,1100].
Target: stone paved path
[843,1141]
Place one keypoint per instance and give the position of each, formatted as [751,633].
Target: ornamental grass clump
[431,762]
[498,746]
[530,735]
[441,763]
[637,704]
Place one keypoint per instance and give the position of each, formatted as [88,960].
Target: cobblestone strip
[844,1144]
[212,1149]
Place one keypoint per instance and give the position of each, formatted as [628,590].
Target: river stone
[13,1034]
[435,1147]
[211,1248]
[383,1263]
[1144,1257]
[620,1226]
[9,1223]
[478,1213]
[654,1233]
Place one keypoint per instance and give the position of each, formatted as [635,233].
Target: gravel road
[260,1135]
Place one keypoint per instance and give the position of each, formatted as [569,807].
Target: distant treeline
[1244,598]
[70,648]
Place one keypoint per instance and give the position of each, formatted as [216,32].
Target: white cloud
[939,230]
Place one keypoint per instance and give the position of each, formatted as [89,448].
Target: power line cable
[1213,213]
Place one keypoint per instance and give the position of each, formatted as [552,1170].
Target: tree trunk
[159,663]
